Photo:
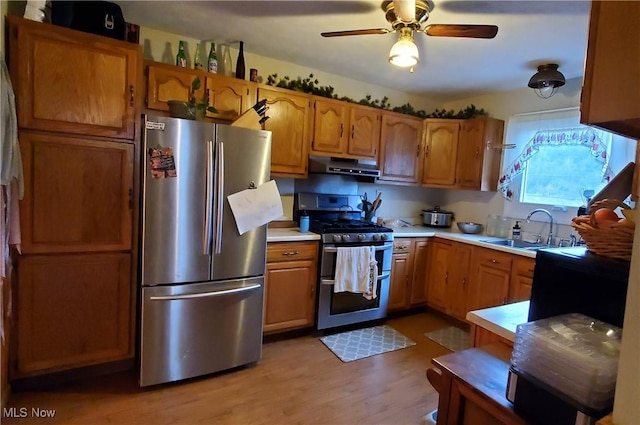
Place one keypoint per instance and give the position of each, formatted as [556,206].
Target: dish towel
[357,271]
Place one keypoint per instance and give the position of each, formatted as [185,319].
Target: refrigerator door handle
[219,195]
[207,233]
[204,294]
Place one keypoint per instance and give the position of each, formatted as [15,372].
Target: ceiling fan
[407,17]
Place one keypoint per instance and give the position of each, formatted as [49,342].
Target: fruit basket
[605,235]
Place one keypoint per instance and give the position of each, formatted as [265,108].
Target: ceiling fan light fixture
[404,52]
[547,80]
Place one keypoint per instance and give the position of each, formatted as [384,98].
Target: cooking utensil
[378,200]
[437,217]
[470,227]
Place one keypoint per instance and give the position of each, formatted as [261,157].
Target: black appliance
[338,220]
[575,280]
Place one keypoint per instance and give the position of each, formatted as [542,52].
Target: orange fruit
[604,215]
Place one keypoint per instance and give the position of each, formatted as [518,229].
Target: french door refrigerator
[202,283]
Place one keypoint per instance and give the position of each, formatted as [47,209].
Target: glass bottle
[197,62]
[181,57]
[213,59]
[240,72]
[227,62]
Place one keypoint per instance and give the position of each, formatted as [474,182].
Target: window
[557,162]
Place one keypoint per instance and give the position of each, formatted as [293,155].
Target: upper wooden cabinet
[231,97]
[400,144]
[462,154]
[479,154]
[345,130]
[73,82]
[289,123]
[440,152]
[611,88]
[78,194]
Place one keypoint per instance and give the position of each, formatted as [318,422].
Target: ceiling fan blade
[356,32]
[469,31]
[405,10]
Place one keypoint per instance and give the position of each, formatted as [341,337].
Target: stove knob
[384,236]
[345,238]
[376,237]
[337,238]
[361,237]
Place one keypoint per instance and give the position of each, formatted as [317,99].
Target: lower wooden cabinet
[439,269]
[290,285]
[73,310]
[408,286]
[521,279]
[491,276]
[458,286]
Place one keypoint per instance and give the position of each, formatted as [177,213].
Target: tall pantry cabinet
[77,99]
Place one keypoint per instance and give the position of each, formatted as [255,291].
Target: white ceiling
[530,33]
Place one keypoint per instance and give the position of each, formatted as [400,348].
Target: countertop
[423,231]
[501,320]
[292,234]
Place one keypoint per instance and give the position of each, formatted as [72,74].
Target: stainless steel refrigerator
[202,283]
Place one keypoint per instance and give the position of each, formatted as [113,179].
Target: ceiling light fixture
[547,80]
[404,52]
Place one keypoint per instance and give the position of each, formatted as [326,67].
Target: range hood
[342,166]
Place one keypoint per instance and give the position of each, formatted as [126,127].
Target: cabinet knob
[131,94]
[290,253]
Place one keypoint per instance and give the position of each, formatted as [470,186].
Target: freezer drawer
[196,329]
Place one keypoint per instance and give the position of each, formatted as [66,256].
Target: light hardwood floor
[298,381]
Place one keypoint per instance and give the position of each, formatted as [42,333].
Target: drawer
[524,266]
[495,259]
[290,251]
[401,246]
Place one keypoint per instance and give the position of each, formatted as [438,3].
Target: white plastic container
[573,353]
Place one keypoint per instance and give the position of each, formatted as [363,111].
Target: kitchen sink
[532,246]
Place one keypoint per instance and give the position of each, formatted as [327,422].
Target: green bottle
[213,59]
[197,62]
[181,57]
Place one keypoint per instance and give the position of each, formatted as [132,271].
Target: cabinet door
[490,279]
[400,140]
[459,282]
[75,310]
[165,83]
[231,97]
[290,295]
[439,260]
[420,269]
[78,194]
[521,279]
[400,282]
[479,154]
[330,127]
[73,82]
[440,152]
[289,124]
[611,88]
[364,132]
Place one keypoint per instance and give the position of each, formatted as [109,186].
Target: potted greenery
[192,109]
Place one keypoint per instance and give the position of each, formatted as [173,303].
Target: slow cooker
[437,217]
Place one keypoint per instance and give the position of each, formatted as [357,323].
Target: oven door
[346,308]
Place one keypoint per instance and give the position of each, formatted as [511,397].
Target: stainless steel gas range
[338,219]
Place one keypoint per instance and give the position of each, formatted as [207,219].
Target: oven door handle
[331,249]
[332,281]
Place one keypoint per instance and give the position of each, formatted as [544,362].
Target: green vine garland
[311,85]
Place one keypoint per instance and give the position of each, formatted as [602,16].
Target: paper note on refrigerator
[254,207]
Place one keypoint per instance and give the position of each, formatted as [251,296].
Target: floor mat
[361,343]
[453,338]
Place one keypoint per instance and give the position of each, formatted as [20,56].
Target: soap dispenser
[516,233]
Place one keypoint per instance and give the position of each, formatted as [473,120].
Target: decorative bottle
[197,62]
[227,62]
[240,72]
[213,59]
[181,57]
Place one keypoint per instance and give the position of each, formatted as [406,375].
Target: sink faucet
[542,210]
